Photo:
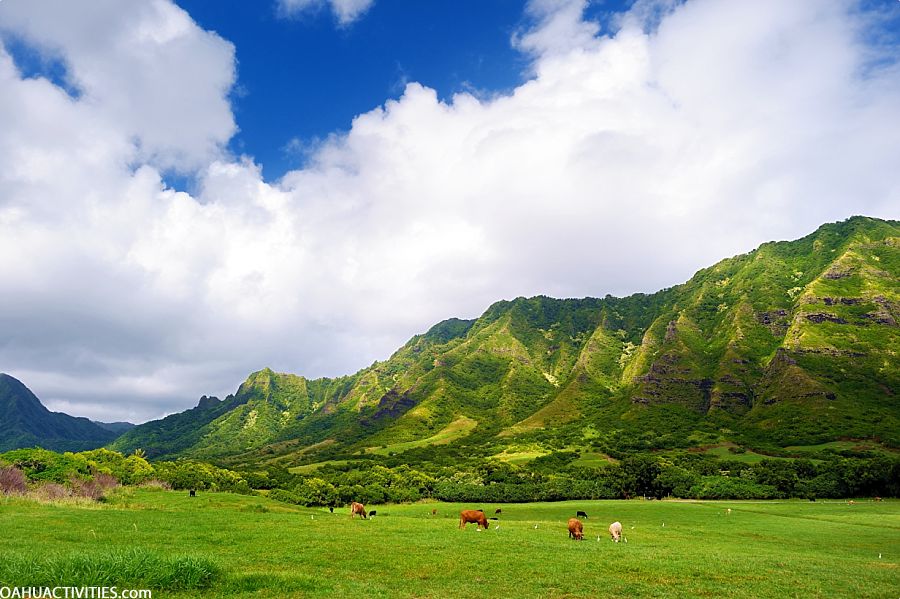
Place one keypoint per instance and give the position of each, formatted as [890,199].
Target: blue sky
[203,189]
[304,76]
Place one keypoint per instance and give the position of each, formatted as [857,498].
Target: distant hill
[25,422]
[115,427]
[794,343]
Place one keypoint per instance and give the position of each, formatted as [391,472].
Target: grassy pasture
[722,452]
[460,427]
[261,548]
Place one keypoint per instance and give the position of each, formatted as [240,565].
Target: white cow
[615,529]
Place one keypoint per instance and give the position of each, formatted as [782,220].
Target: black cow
[581,514]
[331,509]
[498,511]
[193,493]
[372,514]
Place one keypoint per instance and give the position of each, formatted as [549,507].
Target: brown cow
[357,508]
[576,529]
[476,516]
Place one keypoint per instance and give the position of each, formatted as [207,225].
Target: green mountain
[25,422]
[794,343]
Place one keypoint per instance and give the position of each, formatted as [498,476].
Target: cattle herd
[477,517]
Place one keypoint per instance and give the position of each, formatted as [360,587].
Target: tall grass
[133,567]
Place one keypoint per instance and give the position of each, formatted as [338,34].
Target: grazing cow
[434,512]
[851,502]
[372,514]
[878,499]
[581,514]
[192,493]
[357,509]
[500,511]
[331,509]
[476,516]
[615,529]
[576,529]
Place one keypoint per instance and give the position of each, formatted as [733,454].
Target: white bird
[664,523]
[632,528]
[497,527]
[879,556]
[598,537]
[535,526]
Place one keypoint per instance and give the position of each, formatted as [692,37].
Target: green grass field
[247,546]
[723,452]
[460,427]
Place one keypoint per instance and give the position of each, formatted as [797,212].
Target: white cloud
[627,162]
[345,11]
[157,81]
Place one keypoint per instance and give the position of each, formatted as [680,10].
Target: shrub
[44,465]
[12,481]
[315,491]
[105,481]
[129,470]
[155,483]
[285,497]
[723,487]
[52,492]
[88,489]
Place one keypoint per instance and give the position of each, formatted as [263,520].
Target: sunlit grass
[460,427]
[674,549]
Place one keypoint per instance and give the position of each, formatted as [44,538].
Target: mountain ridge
[27,422]
[790,343]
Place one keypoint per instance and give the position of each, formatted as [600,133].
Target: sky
[193,191]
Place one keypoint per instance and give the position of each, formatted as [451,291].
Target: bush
[130,470]
[676,481]
[52,492]
[41,465]
[285,497]
[155,483]
[185,474]
[106,481]
[12,481]
[88,489]
[723,487]
[315,491]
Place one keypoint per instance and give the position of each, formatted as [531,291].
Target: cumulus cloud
[626,162]
[345,11]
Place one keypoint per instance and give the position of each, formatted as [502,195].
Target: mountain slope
[792,343]
[25,422]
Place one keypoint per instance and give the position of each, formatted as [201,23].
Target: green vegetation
[131,567]
[792,344]
[25,422]
[456,429]
[244,546]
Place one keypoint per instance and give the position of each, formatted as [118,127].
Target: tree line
[551,478]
